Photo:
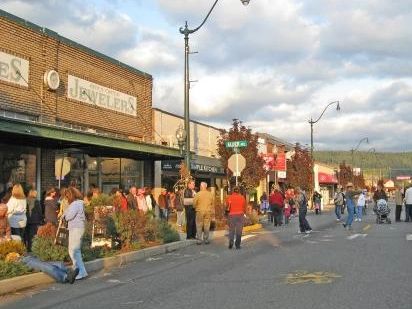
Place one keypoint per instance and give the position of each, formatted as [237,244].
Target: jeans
[29,232]
[359,212]
[75,243]
[338,211]
[56,270]
[203,224]
[351,213]
[235,227]
[164,214]
[408,212]
[303,223]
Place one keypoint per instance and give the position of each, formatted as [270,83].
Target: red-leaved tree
[254,171]
[299,169]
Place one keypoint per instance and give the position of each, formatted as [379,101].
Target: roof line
[55,35]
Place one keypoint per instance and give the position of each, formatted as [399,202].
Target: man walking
[338,201]
[203,203]
[188,197]
[302,202]
[399,203]
[408,204]
[237,208]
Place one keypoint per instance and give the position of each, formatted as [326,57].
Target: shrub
[167,233]
[47,230]
[90,254]
[45,249]
[96,201]
[11,269]
[7,247]
[128,224]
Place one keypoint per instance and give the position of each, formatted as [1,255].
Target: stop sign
[236,163]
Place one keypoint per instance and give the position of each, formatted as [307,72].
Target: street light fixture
[181,138]
[186,31]
[312,122]
[366,140]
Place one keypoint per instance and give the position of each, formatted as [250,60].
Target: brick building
[69,111]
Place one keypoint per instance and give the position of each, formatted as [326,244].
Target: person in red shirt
[276,202]
[236,204]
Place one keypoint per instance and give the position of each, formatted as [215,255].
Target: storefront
[70,115]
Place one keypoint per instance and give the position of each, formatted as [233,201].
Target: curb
[31,280]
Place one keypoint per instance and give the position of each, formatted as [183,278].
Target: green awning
[41,135]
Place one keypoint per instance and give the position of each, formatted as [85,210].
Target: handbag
[62,234]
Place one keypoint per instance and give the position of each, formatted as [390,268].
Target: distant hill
[386,163]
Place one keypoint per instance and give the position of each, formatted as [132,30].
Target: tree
[299,169]
[254,171]
[345,175]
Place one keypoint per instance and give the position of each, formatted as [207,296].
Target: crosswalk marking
[356,236]
[409,237]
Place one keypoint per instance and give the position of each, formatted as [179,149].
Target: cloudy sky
[273,64]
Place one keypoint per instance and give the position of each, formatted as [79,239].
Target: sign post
[236,162]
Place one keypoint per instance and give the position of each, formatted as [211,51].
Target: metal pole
[313,161]
[186,101]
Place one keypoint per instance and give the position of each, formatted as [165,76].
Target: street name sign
[236,144]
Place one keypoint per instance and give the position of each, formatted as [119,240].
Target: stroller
[382,211]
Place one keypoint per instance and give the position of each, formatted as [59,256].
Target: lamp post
[372,150]
[365,139]
[181,138]
[312,122]
[186,31]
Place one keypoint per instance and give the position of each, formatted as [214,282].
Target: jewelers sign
[91,93]
[14,69]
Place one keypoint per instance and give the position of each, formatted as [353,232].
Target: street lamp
[186,31]
[312,122]
[365,139]
[181,138]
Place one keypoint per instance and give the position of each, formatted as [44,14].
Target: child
[287,212]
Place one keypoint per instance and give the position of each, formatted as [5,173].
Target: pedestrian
[163,203]
[360,205]
[178,205]
[338,201]
[5,229]
[204,205]
[264,203]
[350,195]
[188,196]
[34,218]
[57,270]
[141,201]
[150,200]
[76,219]
[399,202]
[408,204]
[287,212]
[16,211]
[51,208]
[276,202]
[132,198]
[119,201]
[302,202]
[317,199]
[236,204]
[290,199]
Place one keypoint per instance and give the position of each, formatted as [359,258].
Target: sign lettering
[14,69]
[94,94]
[235,144]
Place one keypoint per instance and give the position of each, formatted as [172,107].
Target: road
[368,267]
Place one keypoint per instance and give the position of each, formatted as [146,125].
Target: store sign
[280,162]
[94,94]
[403,177]
[282,174]
[14,69]
[269,159]
[175,165]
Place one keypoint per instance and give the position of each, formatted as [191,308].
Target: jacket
[236,203]
[34,212]
[131,202]
[204,202]
[74,215]
[50,211]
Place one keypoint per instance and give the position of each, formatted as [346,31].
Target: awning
[42,135]
[327,178]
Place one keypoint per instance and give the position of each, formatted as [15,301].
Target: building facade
[71,115]
[205,164]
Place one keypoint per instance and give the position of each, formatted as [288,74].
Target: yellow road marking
[318,277]
[367,227]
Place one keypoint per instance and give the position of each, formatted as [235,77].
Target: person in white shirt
[16,211]
[408,204]
[360,205]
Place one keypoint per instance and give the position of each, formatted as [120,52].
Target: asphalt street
[368,267]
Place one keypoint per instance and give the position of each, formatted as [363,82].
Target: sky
[273,64]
